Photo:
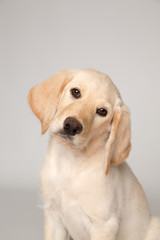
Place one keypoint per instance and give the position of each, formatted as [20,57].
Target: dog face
[81,107]
[85,109]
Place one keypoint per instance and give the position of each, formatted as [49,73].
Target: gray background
[39,38]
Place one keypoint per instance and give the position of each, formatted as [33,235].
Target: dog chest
[64,196]
[70,190]
[78,191]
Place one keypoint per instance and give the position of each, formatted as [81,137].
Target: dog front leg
[53,227]
[105,230]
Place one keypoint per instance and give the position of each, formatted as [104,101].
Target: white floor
[21,215]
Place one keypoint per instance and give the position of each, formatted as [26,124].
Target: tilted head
[82,107]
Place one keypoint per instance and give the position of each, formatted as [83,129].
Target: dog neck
[92,152]
[94,146]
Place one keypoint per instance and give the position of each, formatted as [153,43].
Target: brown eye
[102,112]
[75,93]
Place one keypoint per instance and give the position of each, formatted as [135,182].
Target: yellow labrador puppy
[89,192]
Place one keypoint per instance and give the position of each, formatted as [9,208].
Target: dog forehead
[96,84]
[90,78]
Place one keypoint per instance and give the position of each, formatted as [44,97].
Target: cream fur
[89,192]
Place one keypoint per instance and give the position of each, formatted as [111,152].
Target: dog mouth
[66,137]
[71,140]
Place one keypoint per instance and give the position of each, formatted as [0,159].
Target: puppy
[89,192]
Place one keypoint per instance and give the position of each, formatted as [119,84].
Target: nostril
[66,126]
[75,131]
[79,128]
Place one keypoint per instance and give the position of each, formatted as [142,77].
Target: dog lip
[65,136]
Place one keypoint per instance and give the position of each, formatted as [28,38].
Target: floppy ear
[44,97]
[118,145]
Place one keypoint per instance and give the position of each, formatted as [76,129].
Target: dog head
[83,107]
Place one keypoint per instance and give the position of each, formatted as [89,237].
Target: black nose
[72,126]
